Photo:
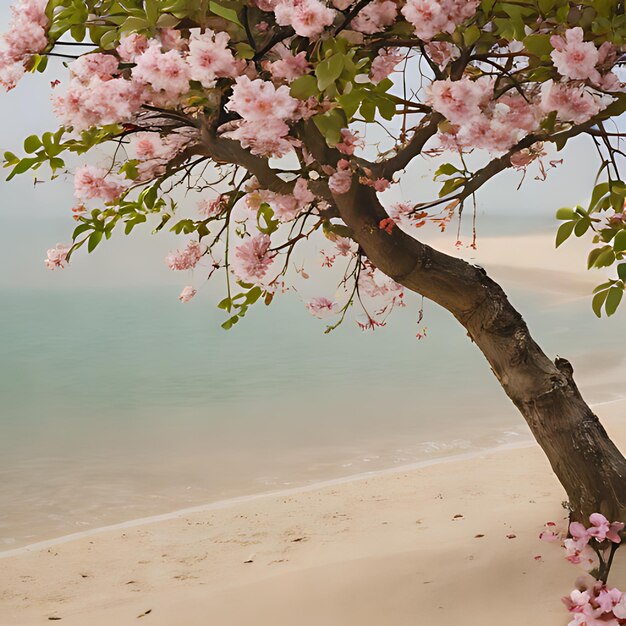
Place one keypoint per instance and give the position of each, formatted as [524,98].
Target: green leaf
[304,87]
[619,243]
[229,15]
[565,213]
[330,125]
[94,239]
[446,169]
[613,300]
[450,185]
[328,71]
[606,258]
[244,50]
[471,35]
[564,232]
[152,11]
[598,302]
[601,189]
[539,45]
[32,144]
[621,271]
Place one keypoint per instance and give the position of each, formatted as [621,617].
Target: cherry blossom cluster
[592,602]
[26,35]
[265,112]
[97,95]
[432,17]
[185,259]
[286,207]
[94,182]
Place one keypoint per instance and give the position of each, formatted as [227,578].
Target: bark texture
[587,463]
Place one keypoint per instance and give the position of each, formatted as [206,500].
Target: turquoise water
[119,403]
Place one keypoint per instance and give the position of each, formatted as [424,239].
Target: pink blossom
[171,39]
[572,103]
[290,66]
[264,109]
[57,257]
[349,142]
[601,529]
[460,101]
[619,609]
[26,35]
[256,100]
[92,182]
[441,52]
[341,181]
[187,294]
[88,66]
[573,57]
[308,18]
[210,58]
[163,71]
[265,139]
[321,307]
[344,246]
[252,258]
[385,63]
[94,97]
[212,208]
[131,46]
[550,533]
[10,72]
[375,16]
[185,259]
[432,17]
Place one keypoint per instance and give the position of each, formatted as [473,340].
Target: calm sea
[118,402]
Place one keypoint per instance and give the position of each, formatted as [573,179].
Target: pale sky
[35,218]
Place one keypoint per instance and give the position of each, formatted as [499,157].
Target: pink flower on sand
[93,182]
[57,257]
[550,533]
[573,57]
[252,258]
[321,307]
[187,294]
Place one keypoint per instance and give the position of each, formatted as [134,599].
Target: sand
[451,543]
[446,544]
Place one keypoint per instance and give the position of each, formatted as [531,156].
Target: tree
[262,101]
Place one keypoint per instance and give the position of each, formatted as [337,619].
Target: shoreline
[253,497]
[291,491]
[262,495]
[430,542]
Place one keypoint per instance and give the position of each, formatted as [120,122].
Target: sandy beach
[453,542]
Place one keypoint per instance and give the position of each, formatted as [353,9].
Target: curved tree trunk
[585,460]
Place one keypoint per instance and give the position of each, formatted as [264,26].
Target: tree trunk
[589,466]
